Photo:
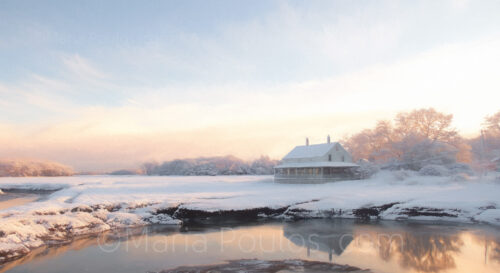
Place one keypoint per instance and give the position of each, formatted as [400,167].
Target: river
[381,246]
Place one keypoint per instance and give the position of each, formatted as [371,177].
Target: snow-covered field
[91,204]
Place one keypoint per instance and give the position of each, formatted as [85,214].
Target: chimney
[307,141]
[328,139]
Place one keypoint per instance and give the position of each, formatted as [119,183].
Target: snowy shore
[92,204]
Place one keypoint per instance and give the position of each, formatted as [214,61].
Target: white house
[319,163]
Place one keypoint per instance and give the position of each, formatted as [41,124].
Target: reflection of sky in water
[382,247]
[9,200]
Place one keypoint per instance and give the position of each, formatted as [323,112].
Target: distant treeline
[33,168]
[225,165]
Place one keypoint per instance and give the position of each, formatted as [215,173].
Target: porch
[313,175]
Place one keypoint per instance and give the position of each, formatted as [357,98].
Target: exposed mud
[260,266]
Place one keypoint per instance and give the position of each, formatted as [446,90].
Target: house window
[329,157]
[343,158]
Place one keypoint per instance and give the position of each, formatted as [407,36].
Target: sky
[102,85]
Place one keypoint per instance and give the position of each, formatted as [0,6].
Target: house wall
[313,175]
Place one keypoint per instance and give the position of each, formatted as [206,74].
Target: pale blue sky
[106,69]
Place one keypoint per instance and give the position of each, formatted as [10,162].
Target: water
[13,199]
[384,246]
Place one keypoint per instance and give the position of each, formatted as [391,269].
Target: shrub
[366,169]
[401,174]
[434,170]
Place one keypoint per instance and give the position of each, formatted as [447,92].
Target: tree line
[415,139]
[222,165]
[33,168]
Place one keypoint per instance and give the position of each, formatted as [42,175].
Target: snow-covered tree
[434,170]
[427,123]
[416,138]
[492,124]
[225,165]
[366,169]
[33,168]
[487,146]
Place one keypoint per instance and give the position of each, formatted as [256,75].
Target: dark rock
[365,213]
[246,214]
[82,209]
[259,266]
[421,211]
[168,211]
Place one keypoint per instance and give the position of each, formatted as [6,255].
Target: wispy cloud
[82,68]
[251,86]
[269,120]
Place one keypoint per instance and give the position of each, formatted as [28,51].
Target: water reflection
[101,242]
[413,247]
[491,246]
[423,251]
[381,247]
[494,247]
[9,200]
[327,236]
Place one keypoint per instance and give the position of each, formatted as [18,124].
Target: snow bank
[91,204]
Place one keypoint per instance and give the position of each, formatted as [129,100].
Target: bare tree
[422,135]
[492,124]
[33,168]
[487,146]
[426,123]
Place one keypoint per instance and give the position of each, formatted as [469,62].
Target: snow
[307,151]
[489,216]
[316,164]
[92,204]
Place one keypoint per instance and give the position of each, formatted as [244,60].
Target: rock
[261,266]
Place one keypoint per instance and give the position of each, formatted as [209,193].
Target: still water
[384,246]
[8,200]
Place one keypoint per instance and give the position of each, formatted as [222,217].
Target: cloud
[256,86]
[82,68]
[269,119]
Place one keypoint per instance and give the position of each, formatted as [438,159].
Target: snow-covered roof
[496,159]
[316,164]
[307,151]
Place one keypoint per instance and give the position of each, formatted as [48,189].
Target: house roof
[307,151]
[316,164]
[496,159]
